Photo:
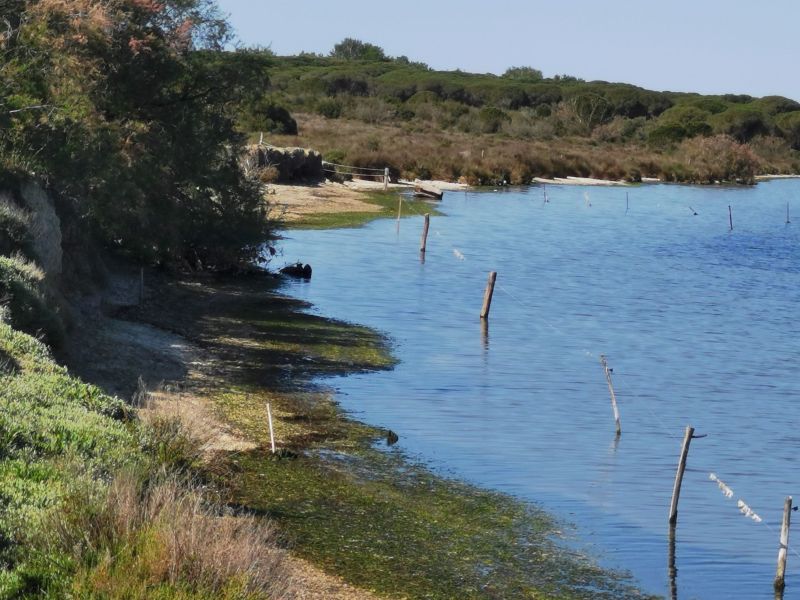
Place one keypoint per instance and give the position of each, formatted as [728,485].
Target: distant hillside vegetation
[671,135]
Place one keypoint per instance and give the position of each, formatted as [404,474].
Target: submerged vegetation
[360,106]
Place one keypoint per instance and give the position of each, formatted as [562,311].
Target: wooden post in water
[780,575]
[141,286]
[611,391]
[676,490]
[787,214]
[271,430]
[386,179]
[730,216]
[399,210]
[423,242]
[627,202]
[487,295]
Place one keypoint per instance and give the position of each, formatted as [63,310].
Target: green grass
[55,433]
[387,202]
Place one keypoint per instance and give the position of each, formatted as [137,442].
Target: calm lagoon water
[699,324]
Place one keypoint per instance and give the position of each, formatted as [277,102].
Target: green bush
[742,122]
[523,74]
[491,119]
[14,233]
[23,298]
[353,49]
[330,108]
[269,116]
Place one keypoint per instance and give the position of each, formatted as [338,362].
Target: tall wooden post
[386,179]
[487,295]
[730,216]
[423,242]
[676,489]
[141,286]
[611,391]
[787,214]
[780,575]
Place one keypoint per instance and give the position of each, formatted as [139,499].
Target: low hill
[353,106]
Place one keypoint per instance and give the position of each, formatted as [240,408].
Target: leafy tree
[691,119]
[775,105]
[789,126]
[127,108]
[523,74]
[742,122]
[353,49]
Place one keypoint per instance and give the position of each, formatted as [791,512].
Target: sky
[705,46]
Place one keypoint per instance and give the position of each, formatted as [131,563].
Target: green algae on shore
[387,203]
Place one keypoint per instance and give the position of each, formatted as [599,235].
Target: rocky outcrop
[292,163]
[45,228]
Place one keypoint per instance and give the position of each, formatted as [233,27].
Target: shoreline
[362,520]
[367,516]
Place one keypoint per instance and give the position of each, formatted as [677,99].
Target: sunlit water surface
[699,324]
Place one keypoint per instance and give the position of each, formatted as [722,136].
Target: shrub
[14,229]
[718,158]
[353,49]
[329,108]
[523,73]
[270,117]
[741,122]
[491,119]
[22,294]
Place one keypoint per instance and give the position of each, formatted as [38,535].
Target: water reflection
[485,335]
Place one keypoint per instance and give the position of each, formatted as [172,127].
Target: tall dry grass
[158,527]
[168,533]
[417,150]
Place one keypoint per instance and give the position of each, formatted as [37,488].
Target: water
[698,323]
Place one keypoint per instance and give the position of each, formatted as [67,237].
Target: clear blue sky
[707,46]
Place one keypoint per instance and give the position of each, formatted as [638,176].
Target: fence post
[487,295]
[386,179]
[423,243]
[611,392]
[676,489]
[780,575]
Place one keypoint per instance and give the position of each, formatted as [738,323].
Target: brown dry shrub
[168,532]
[718,158]
[269,174]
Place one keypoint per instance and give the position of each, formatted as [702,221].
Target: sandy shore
[294,202]
[578,181]
[768,177]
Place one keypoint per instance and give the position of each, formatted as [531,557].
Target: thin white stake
[271,430]
[611,392]
[399,211]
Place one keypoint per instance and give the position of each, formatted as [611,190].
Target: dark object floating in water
[391,438]
[427,191]
[297,270]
